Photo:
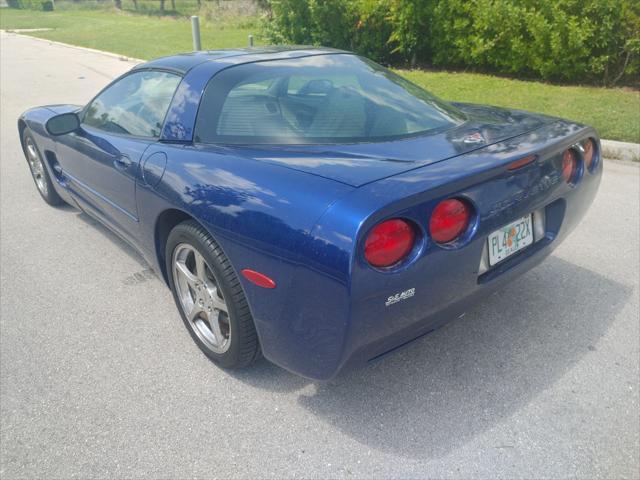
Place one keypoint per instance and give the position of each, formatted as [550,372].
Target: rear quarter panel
[262,217]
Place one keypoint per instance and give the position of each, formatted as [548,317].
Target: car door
[100,161]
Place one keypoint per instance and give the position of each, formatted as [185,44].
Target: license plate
[510,239]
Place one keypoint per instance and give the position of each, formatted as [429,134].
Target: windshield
[337,98]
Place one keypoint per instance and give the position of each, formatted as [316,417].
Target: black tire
[243,347]
[39,171]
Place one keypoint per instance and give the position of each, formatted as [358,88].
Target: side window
[135,105]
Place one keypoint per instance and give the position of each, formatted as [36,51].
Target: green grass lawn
[615,112]
[129,34]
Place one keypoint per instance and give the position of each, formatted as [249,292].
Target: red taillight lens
[589,150]
[449,220]
[569,165]
[389,242]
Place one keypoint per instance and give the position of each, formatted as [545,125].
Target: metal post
[195,32]
[251,40]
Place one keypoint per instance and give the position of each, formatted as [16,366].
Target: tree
[117,4]
[162,5]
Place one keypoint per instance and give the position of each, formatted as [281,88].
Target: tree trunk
[162,6]
[173,5]
[117,4]
[135,4]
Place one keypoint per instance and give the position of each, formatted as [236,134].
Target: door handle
[122,162]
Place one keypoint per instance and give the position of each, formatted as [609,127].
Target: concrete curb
[124,58]
[612,149]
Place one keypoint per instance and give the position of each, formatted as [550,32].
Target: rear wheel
[209,297]
[39,171]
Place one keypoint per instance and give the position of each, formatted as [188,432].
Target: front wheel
[39,171]
[209,297]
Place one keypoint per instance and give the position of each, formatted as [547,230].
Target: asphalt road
[99,378]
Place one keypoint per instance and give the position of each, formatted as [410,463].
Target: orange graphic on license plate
[509,240]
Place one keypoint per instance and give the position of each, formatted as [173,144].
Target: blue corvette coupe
[309,205]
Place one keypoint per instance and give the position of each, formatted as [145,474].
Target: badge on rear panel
[472,138]
[400,296]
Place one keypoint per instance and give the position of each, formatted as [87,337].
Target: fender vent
[52,160]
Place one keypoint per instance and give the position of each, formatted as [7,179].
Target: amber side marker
[521,162]
[258,278]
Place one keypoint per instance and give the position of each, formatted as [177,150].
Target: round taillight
[389,242]
[449,220]
[589,153]
[569,165]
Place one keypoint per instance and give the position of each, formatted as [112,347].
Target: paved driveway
[99,378]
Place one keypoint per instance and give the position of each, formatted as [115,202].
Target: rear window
[337,98]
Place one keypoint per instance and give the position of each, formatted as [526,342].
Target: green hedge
[595,41]
[32,4]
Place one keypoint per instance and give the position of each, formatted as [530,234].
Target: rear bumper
[441,314]
[343,325]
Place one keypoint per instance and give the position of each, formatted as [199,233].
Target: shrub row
[596,41]
[46,5]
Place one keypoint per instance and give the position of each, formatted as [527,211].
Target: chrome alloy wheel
[200,298]
[37,168]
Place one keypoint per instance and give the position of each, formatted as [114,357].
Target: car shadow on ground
[124,246]
[471,374]
[441,391]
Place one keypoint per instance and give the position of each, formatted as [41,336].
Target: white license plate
[510,239]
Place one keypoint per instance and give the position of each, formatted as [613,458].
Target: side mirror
[63,124]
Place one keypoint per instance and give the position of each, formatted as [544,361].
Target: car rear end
[439,237]
[388,261]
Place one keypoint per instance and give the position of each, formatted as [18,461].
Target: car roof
[184,62]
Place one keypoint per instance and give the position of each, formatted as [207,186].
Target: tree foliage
[563,40]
